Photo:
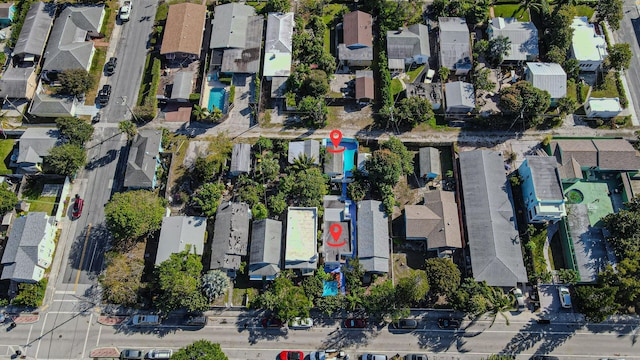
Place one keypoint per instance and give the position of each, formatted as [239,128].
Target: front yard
[6,147]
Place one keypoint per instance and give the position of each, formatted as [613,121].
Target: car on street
[96,118]
[446,323]
[428,77]
[145,320]
[291,355]
[373,357]
[160,354]
[329,354]
[131,354]
[76,210]
[416,357]
[301,323]
[565,297]
[104,94]
[272,323]
[195,320]
[355,323]
[404,324]
[519,299]
[110,66]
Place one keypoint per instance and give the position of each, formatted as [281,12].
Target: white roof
[587,45]
[605,104]
[278,44]
[550,77]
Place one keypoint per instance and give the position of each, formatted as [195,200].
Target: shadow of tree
[548,336]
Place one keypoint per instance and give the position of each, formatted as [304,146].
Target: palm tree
[302,162]
[540,6]
[128,128]
[498,302]
[200,112]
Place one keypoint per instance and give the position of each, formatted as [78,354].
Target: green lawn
[414,73]
[510,10]
[43,204]
[396,87]
[584,10]
[6,146]
[330,11]
[608,88]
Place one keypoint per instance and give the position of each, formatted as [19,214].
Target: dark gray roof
[20,257]
[459,95]
[309,147]
[455,44]
[245,59]
[429,161]
[230,24]
[334,163]
[545,176]
[15,82]
[143,155]
[179,231]
[363,53]
[373,236]
[266,248]
[35,29]
[182,85]
[230,236]
[522,35]
[35,143]
[52,105]
[409,42]
[606,154]
[68,47]
[240,159]
[436,221]
[494,244]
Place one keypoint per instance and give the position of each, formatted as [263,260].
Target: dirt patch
[349,116]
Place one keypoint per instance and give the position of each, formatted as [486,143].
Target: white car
[519,299]
[300,323]
[565,297]
[428,78]
[160,354]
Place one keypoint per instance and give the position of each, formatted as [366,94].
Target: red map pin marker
[336,137]
[335,230]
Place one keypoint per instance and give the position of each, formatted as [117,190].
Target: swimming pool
[350,153]
[216,99]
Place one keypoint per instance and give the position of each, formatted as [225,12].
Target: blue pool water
[216,99]
[350,153]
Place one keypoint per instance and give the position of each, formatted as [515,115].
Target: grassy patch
[606,88]
[162,12]
[538,239]
[584,10]
[43,204]
[510,10]
[413,74]
[572,90]
[110,14]
[6,147]
[400,268]
[330,12]
[95,72]
[258,5]
[396,87]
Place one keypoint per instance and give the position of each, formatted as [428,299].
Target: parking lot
[550,307]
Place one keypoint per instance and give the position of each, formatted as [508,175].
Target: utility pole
[124,102]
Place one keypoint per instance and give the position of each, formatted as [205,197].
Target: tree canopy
[133,214]
[619,57]
[201,350]
[305,187]
[122,279]
[285,300]
[8,199]
[396,146]
[413,111]
[523,98]
[313,111]
[498,48]
[65,159]
[179,283]
[412,289]
[75,81]
[207,198]
[74,130]
[443,275]
[611,11]
[128,128]
[277,6]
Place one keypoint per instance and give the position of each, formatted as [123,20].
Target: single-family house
[602,107]
[44,105]
[18,83]
[230,237]
[237,38]
[435,222]
[278,47]
[29,249]
[460,97]
[429,158]
[266,248]
[542,189]
[365,88]
[240,159]
[178,233]
[430,91]
[523,36]
[455,45]
[336,231]
[494,243]
[573,156]
[183,32]
[182,86]
[588,45]
[301,251]
[357,46]
[549,77]
[34,145]
[69,46]
[143,161]
[309,148]
[34,33]
[373,237]
[7,11]
[334,165]
[408,45]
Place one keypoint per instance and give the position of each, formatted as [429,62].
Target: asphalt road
[629,32]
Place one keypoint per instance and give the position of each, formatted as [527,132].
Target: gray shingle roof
[459,96]
[549,77]
[309,147]
[455,44]
[334,163]
[20,257]
[373,236]
[429,161]
[523,37]
[15,82]
[240,159]
[436,221]
[143,155]
[245,59]
[52,105]
[606,154]
[494,244]
[409,42]
[230,236]
[346,54]
[68,47]
[179,231]
[230,24]
[35,29]
[35,143]
[182,85]
[278,44]
[545,176]
[266,248]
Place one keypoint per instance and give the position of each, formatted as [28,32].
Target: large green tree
[75,81]
[523,98]
[122,279]
[498,48]
[413,288]
[74,130]
[65,159]
[277,6]
[207,198]
[396,146]
[443,275]
[385,168]
[128,128]
[610,11]
[285,300]
[619,57]
[313,111]
[413,111]
[8,199]
[481,80]
[201,350]
[133,214]
[305,187]
[178,283]
[596,303]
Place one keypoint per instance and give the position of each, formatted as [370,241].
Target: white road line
[44,322]
[66,300]
[65,292]
[86,338]
[29,336]
[99,334]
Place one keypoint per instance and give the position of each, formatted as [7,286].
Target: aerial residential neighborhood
[319,179]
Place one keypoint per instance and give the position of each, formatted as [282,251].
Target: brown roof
[4,9]
[583,151]
[570,169]
[183,31]
[357,29]
[436,220]
[609,154]
[365,88]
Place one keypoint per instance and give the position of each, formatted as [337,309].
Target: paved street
[629,33]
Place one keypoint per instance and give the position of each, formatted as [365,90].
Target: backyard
[42,194]
[606,88]
[6,147]
[510,11]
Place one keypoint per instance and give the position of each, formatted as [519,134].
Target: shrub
[232,94]
[30,295]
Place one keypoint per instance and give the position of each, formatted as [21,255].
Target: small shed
[602,107]
[460,97]
[240,159]
[429,163]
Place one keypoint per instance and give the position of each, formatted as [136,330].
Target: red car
[291,355]
[78,204]
[355,323]
[272,323]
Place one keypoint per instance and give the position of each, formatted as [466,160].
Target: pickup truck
[125,11]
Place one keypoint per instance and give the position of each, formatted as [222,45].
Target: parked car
[291,355]
[95,118]
[565,297]
[160,354]
[110,66]
[272,323]
[131,354]
[428,77]
[104,94]
[355,323]
[76,210]
[373,357]
[195,320]
[404,324]
[519,299]
[416,357]
[301,323]
[329,354]
[446,323]
[145,320]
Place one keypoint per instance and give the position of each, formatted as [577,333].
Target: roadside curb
[24,318]
[111,320]
[107,352]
